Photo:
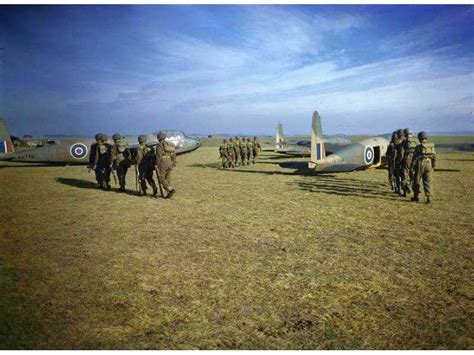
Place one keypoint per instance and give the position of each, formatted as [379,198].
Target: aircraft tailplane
[6,144]
[318,151]
[279,138]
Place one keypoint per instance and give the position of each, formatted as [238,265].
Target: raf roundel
[368,154]
[78,150]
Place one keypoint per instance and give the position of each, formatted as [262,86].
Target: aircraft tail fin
[6,144]
[279,137]
[318,151]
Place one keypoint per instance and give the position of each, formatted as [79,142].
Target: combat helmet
[422,135]
[394,136]
[407,131]
[116,137]
[225,140]
[104,137]
[399,133]
[97,136]
[141,138]
[161,135]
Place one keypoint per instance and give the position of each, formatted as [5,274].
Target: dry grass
[260,257]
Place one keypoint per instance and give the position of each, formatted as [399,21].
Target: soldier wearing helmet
[237,152]
[398,160]
[165,155]
[243,151]
[424,162]
[231,153]
[223,154]
[407,149]
[145,166]
[249,151]
[391,158]
[102,161]
[257,148]
[120,159]
[93,151]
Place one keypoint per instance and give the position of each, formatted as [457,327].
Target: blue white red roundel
[368,155]
[78,150]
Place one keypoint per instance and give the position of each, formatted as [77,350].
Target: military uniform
[120,159]
[243,151]
[249,151]
[223,153]
[398,156]
[237,153]
[256,148]
[92,154]
[231,153]
[424,161]
[408,148]
[391,154]
[165,154]
[145,165]
[102,162]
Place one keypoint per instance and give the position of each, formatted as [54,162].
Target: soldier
[237,153]
[223,153]
[92,154]
[398,160]
[165,163]
[390,161]
[120,159]
[145,166]
[231,153]
[243,151]
[257,148]
[424,162]
[249,151]
[408,148]
[102,162]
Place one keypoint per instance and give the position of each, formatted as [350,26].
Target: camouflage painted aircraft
[76,150]
[368,153]
[303,148]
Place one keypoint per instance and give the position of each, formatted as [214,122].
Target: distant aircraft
[303,148]
[368,153]
[76,150]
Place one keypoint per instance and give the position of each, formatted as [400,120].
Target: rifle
[114,175]
[159,181]
[137,178]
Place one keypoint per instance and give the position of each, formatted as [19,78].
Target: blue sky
[205,69]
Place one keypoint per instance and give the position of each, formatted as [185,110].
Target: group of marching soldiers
[410,164]
[239,152]
[115,159]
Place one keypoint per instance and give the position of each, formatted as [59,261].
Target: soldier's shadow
[83,184]
[346,187]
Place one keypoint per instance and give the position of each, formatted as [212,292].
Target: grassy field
[253,258]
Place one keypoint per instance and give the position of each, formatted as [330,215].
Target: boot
[404,192]
[170,193]
[415,199]
[155,191]
[428,200]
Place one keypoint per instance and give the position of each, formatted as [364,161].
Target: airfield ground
[258,257]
